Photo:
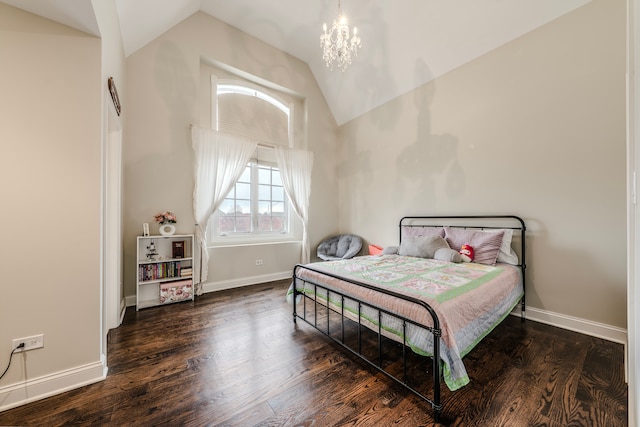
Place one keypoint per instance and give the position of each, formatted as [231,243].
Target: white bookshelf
[164,270]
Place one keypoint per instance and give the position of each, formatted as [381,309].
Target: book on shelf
[177,249]
[163,270]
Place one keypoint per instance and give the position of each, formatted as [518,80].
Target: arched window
[257,208]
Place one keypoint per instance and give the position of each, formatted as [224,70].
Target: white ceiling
[405,43]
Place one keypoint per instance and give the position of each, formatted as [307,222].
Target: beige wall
[164,98]
[50,131]
[535,128]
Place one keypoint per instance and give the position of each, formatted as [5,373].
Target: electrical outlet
[258,262]
[30,343]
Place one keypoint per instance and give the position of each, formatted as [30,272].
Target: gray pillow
[422,246]
[390,250]
[447,254]
[343,245]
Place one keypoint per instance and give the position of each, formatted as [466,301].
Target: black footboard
[319,303]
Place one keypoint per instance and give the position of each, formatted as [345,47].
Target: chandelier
[337,48]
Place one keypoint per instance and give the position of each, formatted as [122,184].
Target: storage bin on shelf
[176,291]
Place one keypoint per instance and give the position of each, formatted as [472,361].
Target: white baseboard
[130,300]
[245,281]
[575,324]
[49,385]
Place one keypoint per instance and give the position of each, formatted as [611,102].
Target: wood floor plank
[236,358]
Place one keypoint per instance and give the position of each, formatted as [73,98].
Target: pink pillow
[486,246]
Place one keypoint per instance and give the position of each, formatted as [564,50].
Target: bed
[420,295]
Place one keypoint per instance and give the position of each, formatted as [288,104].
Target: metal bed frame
[460,221]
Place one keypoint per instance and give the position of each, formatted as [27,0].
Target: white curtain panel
[295,169]
[219,160]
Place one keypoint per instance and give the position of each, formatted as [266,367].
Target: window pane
[243,191]
[243,207]
[246,175]
[232,193]
[277,208]
[226,206]
[278,194]
[276,178]
[264,223]
[278,223]
[264,192]
[243,224]
[264,208]
[264,176]
[226,223]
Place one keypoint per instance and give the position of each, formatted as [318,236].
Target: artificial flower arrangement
[165,218]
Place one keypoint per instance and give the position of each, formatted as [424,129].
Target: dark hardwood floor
[235,358]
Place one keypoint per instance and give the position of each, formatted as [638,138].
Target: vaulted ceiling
[404,43]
